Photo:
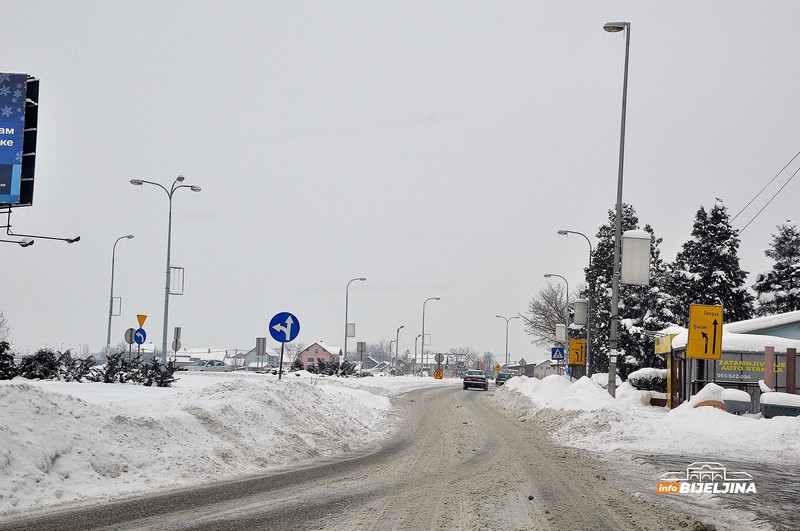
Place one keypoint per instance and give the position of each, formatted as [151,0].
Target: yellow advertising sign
[497,368]
[705,332]
[577,352]
[664,344]
[141,319]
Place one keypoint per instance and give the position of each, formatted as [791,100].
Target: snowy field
[64,441]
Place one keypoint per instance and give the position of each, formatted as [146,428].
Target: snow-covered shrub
[7,368]
[649,379]
[43,365]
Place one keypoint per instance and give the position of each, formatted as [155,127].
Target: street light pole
[422,353]
[346,304]
[111,297]
[175,186]
[507,320]
[415,352]
[588,299]
[566,313]
[397,344]
[614,27]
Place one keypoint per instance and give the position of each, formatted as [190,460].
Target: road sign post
[284,328]
[361,349]
[577,352]
[705,332]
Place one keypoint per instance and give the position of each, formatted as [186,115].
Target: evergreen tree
[707,271]
[778,290]
[297,364]
[642,309]
[7,368]
[43,365]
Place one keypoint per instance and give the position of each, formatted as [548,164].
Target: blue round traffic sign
[284,327]
[139,336]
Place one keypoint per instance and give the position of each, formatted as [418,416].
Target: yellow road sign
[438,374]
[705,332]
[577,352]
[141,319]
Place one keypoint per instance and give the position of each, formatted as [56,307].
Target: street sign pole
[280,365]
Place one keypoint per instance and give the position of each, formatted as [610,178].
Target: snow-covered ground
[67,441]
[594,420]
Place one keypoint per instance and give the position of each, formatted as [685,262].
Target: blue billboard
[12,132]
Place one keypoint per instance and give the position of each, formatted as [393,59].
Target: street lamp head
[180,178]
[129,236]
[563,232]
[362,279]
[437,298]
[547,275]
[196,188]
[73,240]
[137,182]
[401,327]
[25,242]
[614,27]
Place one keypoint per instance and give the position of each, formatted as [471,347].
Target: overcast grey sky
[434,148]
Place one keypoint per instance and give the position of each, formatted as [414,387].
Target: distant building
[320,350]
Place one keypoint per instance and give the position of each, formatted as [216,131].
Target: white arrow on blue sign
[557,353]
[284,327]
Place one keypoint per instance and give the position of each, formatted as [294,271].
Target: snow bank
[63,441]
[597,422]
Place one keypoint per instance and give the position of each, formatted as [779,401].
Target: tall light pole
[422,353]
[614,27]
[397,344]
[111,297]
[507,320]
[588,298]
[346,304]
[566,313]
[175,186]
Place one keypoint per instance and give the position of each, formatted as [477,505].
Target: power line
[762,191]
[771,198]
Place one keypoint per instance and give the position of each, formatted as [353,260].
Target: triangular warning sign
[141,319]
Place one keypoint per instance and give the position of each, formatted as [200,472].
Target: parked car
[476,379]
[502,377]
[210,365]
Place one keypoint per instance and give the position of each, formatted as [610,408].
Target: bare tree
[5,328]
[488,362]
[380,351]
[545,311]
[468,355]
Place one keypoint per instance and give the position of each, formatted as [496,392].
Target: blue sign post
[140,336]
[284,328]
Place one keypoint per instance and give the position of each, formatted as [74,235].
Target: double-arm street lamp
[507,319]
[111,298]
[422,353]
[175,186]
[588,298]
[614,27]
[346,304]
